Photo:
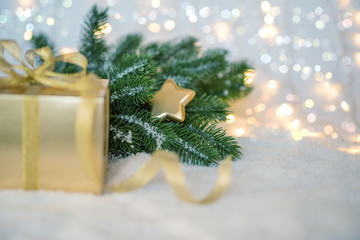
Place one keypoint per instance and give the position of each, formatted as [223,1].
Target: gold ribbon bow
[87,86]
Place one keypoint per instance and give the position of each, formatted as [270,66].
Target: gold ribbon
[175,177]
[87,86]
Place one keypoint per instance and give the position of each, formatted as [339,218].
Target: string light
[284,110]
[230,118]
[50,21]
[249,77]
[345,106]
[221,25]
[328,129]
[272,84]
[222,30]
[154,27]
[28,35]
[169,25]
[103,29]
[240,132]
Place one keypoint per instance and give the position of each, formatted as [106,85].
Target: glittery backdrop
[306,53]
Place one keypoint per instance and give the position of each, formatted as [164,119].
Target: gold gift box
[59,166]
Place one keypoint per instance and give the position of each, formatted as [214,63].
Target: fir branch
[163,52]
[130,65]
[191,149]
[228,84]
[127,45]
[199,69]
[148,133]
[131,90]
[92,43]
[208,109]
[40,40]
[216,137]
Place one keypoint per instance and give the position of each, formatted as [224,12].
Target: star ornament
[170,101]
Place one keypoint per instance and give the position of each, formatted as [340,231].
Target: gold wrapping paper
[58,166]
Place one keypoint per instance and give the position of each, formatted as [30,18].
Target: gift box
[57,164]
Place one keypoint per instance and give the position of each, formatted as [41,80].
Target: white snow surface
[278,191]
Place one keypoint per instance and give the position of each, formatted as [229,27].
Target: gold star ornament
[170,101]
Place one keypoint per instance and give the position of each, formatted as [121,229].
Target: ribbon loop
[44,73]
[175,177]
[12,47]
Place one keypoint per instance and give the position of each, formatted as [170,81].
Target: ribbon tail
[176,179]
[142,177]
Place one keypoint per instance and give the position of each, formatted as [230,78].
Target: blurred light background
[305,54]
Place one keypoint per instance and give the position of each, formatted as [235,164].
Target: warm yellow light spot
[309,103]
[345,106]
[334,135]
[357,57]
[352,150]
[222,30]
[248,111]
[311,118]
[265,6]
[272,84]
[103,29]
[249,77]
[50,21]
[230,118]
[259,108]
[240,132]
[358,139]
[269,19]
[284,110]
[297,135]
[357,17]
[357,39]
[28,35]
[251,120]
[66,50]
[26,3]
[307,133]
[328,75]
[295,124]
[328,90]
[169,25]
[154,27]
[330,108]
[268,31]
[155,3]
[106,28]
[328,129]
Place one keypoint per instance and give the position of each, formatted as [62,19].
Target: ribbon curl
[175,177]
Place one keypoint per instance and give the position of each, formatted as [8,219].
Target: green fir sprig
[137,71]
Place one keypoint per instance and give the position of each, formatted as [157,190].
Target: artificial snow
[279,190]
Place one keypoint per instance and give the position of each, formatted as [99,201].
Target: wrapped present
[53,127]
